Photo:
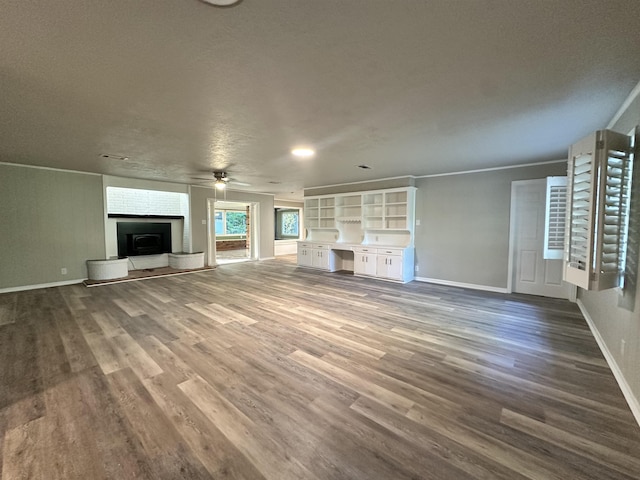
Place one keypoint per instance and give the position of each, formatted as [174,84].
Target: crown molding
[625,105]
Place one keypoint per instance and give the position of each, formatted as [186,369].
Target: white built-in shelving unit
[376,221]
[320,213]
[311,213]
[384,210]
[349,208]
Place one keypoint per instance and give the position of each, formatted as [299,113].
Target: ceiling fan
[221,179]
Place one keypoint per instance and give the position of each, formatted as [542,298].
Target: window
[230,222]
[599,186]
[219,221]
[290,224]
[556,210]
[287,223]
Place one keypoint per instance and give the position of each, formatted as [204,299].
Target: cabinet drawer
[390,251]
[365,250]
[305,245]
[320,246]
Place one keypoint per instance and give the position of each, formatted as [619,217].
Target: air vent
[364,167]
[109,156]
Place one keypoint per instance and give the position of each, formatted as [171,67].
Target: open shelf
[389,210]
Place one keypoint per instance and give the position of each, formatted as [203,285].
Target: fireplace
[138,238]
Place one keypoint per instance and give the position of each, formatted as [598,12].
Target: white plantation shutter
[579,227]
[597,209]
[628,300]
[556,211]
[614,219]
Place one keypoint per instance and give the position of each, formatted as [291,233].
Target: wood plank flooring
[268,371]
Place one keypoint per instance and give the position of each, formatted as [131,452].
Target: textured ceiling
[408,87]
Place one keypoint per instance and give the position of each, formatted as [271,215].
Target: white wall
[135,201]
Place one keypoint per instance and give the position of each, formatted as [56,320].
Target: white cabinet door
[323,257]
[364,262]
[390,266]
[359,267]
[304,255]
[395,268]
[320,258]
[370,264]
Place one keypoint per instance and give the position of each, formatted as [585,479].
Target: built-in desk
[391,263]
[369,233]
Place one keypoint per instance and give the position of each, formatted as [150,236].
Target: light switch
[418,222]
[204,222]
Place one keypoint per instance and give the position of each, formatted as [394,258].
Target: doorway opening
[232,228]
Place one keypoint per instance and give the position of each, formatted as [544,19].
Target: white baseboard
[267,258]
[472,286]
[23,288]
[634,403]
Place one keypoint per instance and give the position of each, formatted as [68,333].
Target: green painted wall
[49,220]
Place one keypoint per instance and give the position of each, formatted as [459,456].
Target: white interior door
[532,274]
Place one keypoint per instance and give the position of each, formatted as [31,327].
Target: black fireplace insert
[138,238]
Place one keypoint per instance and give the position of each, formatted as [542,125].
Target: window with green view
[287,223]
[230,222]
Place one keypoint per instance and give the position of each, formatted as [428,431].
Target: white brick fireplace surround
[114,268]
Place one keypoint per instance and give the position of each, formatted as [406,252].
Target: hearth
[138,238]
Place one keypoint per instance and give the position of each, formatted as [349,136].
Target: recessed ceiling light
[303,152]
[222,3]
